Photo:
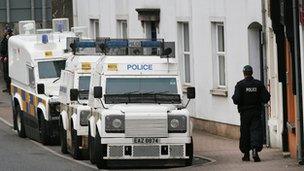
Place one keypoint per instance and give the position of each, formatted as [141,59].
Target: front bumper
[166,149]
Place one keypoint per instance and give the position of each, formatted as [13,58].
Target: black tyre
[63,138]
[100,162]
[190,148]
[14,116]
[20,122]
[92,154]
[45,137]
[76,140]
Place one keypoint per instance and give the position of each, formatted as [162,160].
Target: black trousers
[251,131]
[6,77]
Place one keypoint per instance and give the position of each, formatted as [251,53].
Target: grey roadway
[22,154]
[17,154]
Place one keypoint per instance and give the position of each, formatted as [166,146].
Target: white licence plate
[145,140]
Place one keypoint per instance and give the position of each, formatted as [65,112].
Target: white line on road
[52,151]
[62,156]
[6,122]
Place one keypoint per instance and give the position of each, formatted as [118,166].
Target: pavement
[24,154]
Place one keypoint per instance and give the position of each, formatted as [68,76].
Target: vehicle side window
[31,76]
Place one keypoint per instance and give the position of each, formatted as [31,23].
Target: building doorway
[256,60]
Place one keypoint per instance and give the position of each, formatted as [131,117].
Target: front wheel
[63,138]
[20,122]
[76,140]
[190,153]
[100,162]
[45,137]
[92,152]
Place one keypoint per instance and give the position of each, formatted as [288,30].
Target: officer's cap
[247,69]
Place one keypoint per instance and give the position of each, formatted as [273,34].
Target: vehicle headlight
[115,124]
[84,115]
[174,123]
[177,123]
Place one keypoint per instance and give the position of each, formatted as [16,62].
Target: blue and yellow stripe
[29,101]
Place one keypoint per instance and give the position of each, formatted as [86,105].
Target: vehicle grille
[146,151]
[146,125]
[176,151]
[115,151]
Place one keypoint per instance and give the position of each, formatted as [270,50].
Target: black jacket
[4,47]
[250,94]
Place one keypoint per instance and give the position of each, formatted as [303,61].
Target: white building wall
[237,15]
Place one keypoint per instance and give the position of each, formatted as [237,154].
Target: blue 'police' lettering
[140,67]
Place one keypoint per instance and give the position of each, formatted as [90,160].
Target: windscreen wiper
[56,80]
[131,92]
[163,92]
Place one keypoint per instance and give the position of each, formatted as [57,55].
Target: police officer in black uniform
[250,95]
[8,32]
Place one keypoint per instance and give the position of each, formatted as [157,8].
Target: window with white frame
[219,55]
[122,29]
[94,27]
[31,76]
[184,46]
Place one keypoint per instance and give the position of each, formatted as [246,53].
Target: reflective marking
[251,89]
[48,53]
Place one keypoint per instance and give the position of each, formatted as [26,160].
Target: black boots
[246,156]
[255,155]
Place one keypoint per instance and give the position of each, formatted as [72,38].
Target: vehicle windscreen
[83,87]
[142,90]
[50,69]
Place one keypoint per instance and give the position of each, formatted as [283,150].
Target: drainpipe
[33,9]
[75,12]
[299,105]
[265,70]
[8,11]
[43,13]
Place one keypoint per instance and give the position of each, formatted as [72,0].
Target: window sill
[219,92]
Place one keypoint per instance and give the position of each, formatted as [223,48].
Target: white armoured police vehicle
[75,80]
[36,59]
[137,109]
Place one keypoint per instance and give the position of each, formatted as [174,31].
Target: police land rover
[137,107]
[74,109]
[36,58]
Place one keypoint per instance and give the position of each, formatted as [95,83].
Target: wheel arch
[92,126]
[18,101]
[74,121]
[65,121]
[41,110]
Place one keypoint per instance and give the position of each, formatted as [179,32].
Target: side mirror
[74,94]
[191,92]
[98,92]
[40,89]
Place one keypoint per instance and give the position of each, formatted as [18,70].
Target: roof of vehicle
[31,44]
